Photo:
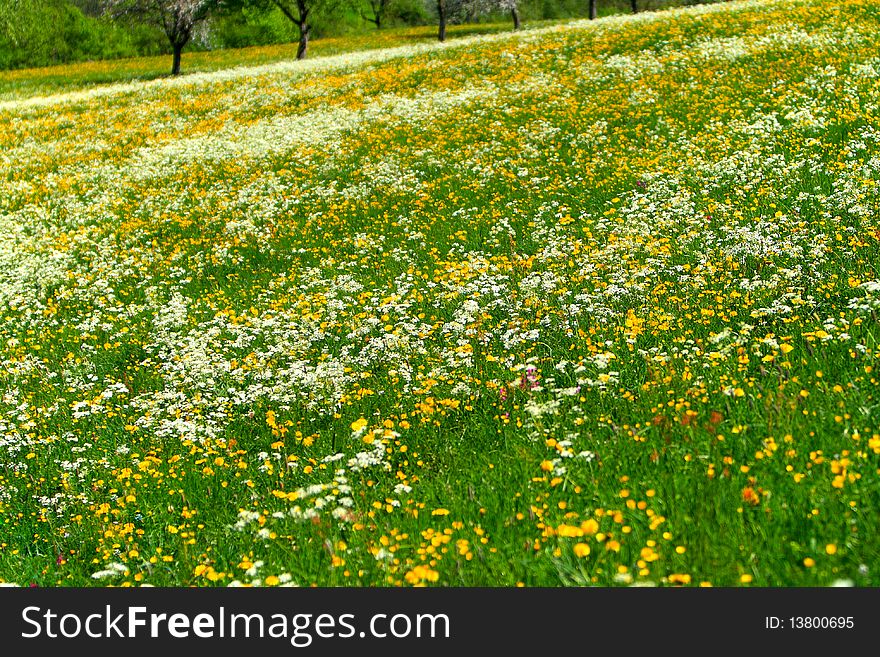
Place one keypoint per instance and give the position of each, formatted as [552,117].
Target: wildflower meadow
[589,303]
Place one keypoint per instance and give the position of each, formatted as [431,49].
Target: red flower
[750,496]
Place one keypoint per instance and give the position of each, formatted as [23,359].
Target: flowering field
[22,83]
[589,304]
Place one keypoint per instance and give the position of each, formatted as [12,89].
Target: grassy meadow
[594,303]
[25,83]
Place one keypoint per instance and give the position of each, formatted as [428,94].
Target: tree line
[101,29]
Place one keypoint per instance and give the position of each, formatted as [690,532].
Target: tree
[513,8]
[467,10]
[442,15]
[301,13]
[41,32]
[634,5]
[177,18]
[378,12]
[8,24]
[592,5]
[23,21]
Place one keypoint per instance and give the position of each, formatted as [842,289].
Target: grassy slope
[589,304]
[25,83]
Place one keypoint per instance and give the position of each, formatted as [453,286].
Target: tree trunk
[304,34]
[634,4]
[175,63]
[592,9]
[441,10]
[516,22]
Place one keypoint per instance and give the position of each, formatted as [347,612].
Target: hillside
[52,80]
[593,303]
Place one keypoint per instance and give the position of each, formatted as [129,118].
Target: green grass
[24,83]
[591,304]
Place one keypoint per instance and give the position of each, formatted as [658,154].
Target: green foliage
[251,27]
[557,9]
[45,32]
[260,24]
[407,12]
